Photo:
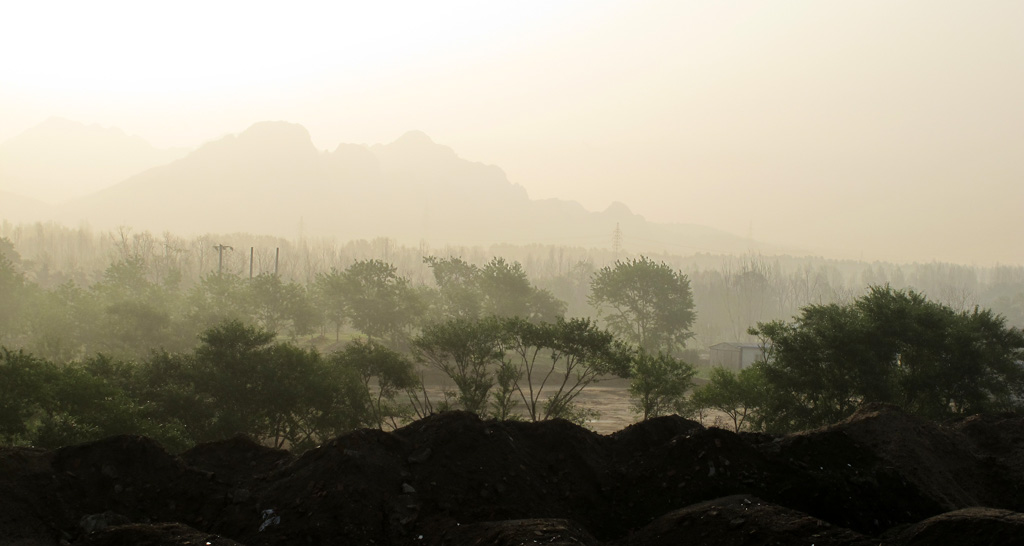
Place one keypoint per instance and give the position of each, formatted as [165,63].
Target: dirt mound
[998,437]
[453,478]
[553,532]
[30,510]
[236,459]
[160,534]
[939,460]
[987,526]
[742,520]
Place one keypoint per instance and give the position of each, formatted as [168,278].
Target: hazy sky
[884,129]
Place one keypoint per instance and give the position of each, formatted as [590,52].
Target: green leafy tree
[281,307]
[658,383]
[64,322]
[649,304]
[136,313]
[465,351]
[555,362]
[94,399]
[458,284]
[738,396]
[503,401]
[232,372]
[380,303]
[382,374]
[508,293]
[507,290]
[13,292]
[499,288]
[329,299]
[26,384]
[890,346]
[217,298]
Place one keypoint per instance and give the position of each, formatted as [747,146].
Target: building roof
[728,345]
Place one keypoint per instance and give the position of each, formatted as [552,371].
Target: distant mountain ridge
[271,179]
[60,159]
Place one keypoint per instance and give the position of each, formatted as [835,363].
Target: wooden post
[250,261]
[220,256]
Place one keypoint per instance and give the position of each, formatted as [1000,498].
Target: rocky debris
[453,478]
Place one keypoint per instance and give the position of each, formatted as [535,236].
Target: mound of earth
[879,477]
[988,526]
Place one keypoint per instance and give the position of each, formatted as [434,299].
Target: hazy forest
[731,293]
[150,333]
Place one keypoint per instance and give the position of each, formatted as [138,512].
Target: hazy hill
[59,160]
[19,209]
[272,179]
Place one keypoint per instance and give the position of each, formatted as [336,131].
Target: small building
[736,356]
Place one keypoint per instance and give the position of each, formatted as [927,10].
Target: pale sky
[869,129]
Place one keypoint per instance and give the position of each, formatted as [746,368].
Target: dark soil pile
[879,477]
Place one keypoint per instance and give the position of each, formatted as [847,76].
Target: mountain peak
[414,138]
[276,132]
[619,209]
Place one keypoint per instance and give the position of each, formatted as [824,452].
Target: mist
[867,132]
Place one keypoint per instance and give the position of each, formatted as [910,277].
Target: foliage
[577,352]
[890,346]
[278,306]
[503,402]
[740,396]
[379,302]
[500,288]
[329,299]
[658,383]
[651,304]
[382,374]
[65,323]
[26,384]
[464,351]
[12,291]
[458,286]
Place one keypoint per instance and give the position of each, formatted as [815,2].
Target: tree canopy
[649,304]
[890,346]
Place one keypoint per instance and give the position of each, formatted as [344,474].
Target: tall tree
[649,304]
[380,302]
[458,284]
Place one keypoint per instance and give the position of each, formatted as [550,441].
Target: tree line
[504,342]
[889,346]
[731,292]
[120,361]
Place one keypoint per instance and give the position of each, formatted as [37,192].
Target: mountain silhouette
[60,159]
[272,179]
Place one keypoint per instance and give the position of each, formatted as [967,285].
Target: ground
[880,477]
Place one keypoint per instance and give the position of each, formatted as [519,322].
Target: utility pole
[251,251]
[220,256]
[617,240]
[277,256]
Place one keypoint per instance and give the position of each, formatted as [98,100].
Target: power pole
[220,256]
[617,240]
